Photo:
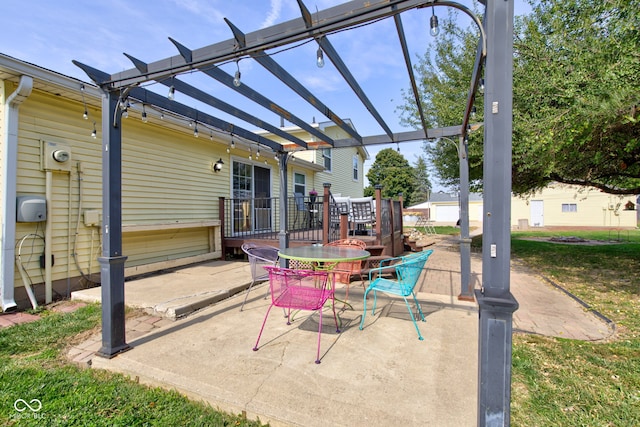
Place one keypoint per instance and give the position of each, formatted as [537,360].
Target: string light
[434,23]
[145,119]
[94,133]
[85,115]
[481,87]
[233,143]
[258,153]
[473,112]
[195,130]
[236,78]
[172,93]
[250,156]
[319,58]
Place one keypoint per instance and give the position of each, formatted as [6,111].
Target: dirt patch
[571,240]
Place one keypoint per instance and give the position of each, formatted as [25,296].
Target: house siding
[166,179]
[593,208]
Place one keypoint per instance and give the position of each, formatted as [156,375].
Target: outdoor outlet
[92,218]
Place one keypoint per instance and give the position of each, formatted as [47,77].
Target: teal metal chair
[407,271]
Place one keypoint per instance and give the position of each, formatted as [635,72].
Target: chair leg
[246,295]
[319,335]
[264,322]
[413,318]
[418,305]
[364,309]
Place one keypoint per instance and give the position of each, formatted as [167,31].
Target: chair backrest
[349,243]
[260,256]
[362,210]
[298,289]
[409,271]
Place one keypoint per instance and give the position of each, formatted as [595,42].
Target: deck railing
[313,220]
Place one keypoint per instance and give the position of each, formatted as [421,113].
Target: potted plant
[312,195]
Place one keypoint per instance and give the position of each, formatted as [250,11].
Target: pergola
[493,59]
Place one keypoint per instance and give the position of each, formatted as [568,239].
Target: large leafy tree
[576,96]
[391,170]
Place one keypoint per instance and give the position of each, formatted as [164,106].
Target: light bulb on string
[195,130]
[172,93]
[250,156]
[319,58]
[434,23]
[145,119]
[236,77]
[85,115]
[94,133]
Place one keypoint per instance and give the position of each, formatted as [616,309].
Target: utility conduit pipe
[10,168]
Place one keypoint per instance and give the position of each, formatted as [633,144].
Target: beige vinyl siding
[593,208]
[166,179]
[341,178]
[144,248]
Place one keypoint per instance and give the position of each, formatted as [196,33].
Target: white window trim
[355,161]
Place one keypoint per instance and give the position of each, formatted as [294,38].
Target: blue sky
[52,34]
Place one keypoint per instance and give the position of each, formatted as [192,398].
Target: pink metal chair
[299,290]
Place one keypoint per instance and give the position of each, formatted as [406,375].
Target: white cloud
[274,14]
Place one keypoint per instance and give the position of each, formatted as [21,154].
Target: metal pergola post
[283,235]
[112,261]
[496,304]
[466,292]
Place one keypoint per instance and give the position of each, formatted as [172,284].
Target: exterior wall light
[217,166]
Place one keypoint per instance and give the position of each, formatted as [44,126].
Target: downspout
[10,168]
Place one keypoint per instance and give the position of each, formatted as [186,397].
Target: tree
[576,106]
[423,184]
[391,170]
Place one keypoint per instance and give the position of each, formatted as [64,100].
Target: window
[242,180]
[355,168]
[326,156]
[299,183]
[569,207]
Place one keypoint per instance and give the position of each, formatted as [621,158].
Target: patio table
[324,257]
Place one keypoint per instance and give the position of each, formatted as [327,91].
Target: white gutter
[10,168]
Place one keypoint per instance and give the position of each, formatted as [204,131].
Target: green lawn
[33,366]
[561,382]
[555,382]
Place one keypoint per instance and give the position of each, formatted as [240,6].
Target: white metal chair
[259,257]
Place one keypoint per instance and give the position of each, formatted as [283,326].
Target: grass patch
[33,366]
[575,383]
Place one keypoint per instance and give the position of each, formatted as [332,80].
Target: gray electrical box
[31,209]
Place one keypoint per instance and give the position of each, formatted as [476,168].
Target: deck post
[378,226]
[325,212]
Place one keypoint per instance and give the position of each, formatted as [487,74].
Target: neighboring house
[444,208]
[341,167]
[561,205]
[558,205]
[51,152]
